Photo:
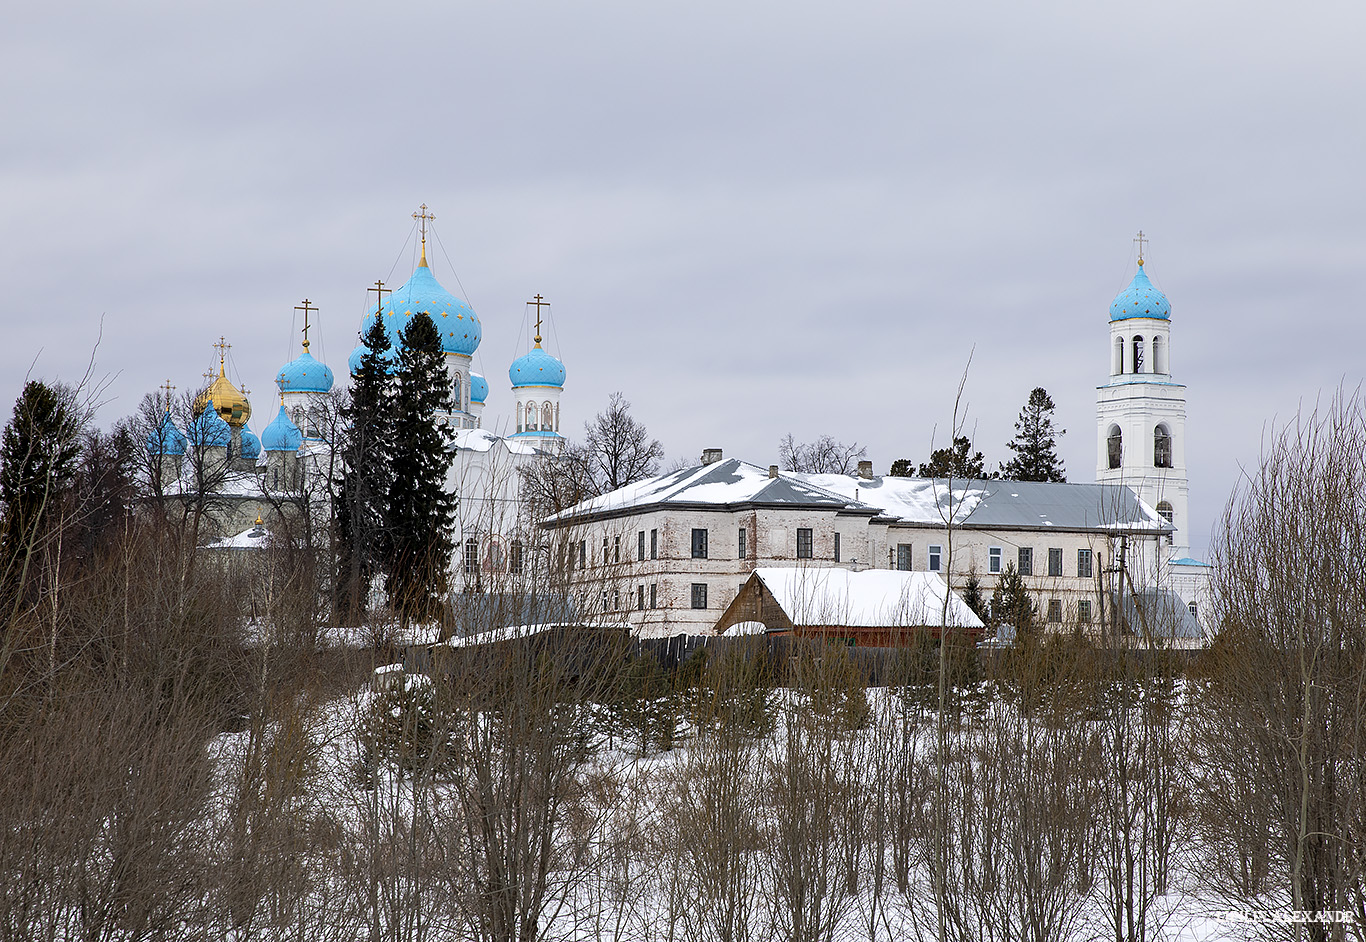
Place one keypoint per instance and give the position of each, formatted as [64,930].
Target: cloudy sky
[751,218]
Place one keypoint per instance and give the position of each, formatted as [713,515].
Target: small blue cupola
[209,430]
[166,439]
[479,388]
[1140,299]
[251,445]
[536,368]
[282,434]
[305,374]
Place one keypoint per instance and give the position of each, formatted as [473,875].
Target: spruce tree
[361,491]
[421,511]
[1012,605]
[1035,443]
[958,462]
[38,460]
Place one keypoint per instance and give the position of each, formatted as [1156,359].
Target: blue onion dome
[454,319]
[282,434]
[305,374]
[479,388]
[389,358]
[251,445]
[353,361]
[209,429]
[166,439]
[1140,299]
[536,368]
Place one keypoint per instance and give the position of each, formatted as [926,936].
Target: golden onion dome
[232,406]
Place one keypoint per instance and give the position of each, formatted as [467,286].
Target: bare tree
[823,456]
[619,449]
[1282,737]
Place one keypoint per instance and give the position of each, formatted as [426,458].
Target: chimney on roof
[711,455]
[773,470]
[865,470]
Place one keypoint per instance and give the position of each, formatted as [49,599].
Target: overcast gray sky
[750,218]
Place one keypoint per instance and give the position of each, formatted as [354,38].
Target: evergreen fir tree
[973,597]
[1035,443]
[361,494]
[959,462]
[421,511]
[38,460]
[1011,604]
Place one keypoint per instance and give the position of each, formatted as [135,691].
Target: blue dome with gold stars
[166,439]
[282,434]
[1140,299]
[455,320]
[209,429]
[536,368]
[305,374]
[251,445]
[479,388]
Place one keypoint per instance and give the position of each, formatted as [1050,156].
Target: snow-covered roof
[872,598]
[482,440]
[253,539]
[727,483]
[918,501]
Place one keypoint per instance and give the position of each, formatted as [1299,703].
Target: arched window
[548,417]
[1164,510]
[1119,357]
[557,416]
[459,401]
[1159,355]
[1114,446]
[519,415]
[1162,447]
[493,557]
[1138,354]
[531,416]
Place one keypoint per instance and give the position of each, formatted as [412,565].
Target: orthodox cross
[168,389]
[305,307]
[425,218]
[222,347]
[380,292]
[1141,240]
[540,303]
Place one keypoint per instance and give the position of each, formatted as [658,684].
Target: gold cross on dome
[380,292]
[540,302]
[1141,240]
[168,389]
[424,217]
[222,347]
[306,307]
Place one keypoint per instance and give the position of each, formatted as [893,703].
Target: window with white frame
[936,551]
[994,555]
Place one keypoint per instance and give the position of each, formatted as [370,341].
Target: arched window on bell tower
[1118,366]
[1114,447]
[1138,353]
[1162,447]
[1159,355]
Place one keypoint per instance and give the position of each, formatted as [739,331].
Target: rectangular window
[803,542]
[1055,610]
[699,545]
[903,557]
[604,551]
[640,598]
[699,594]
[994,560]
[743,534]
[1194,610]
[1084,611]
[616,601]
[471,556]
[837,547]
[515,558]
[654,594]
[640,546]
[583,554]
[654,544]
[616,549]
[935,553]
[604,601]
[1054,561]
[1025,567]
[1084,563]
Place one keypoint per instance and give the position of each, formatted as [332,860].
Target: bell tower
[1141,411]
